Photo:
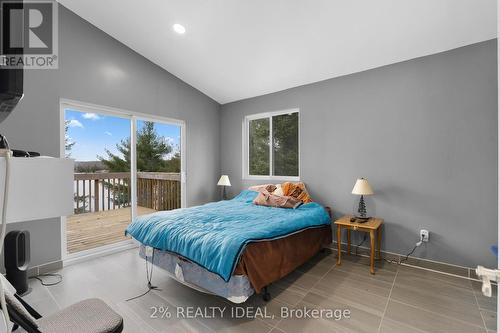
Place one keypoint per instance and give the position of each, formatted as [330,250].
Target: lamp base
[359,219]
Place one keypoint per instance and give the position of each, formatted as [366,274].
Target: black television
[11,90]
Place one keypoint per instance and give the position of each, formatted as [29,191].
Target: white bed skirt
[236,290]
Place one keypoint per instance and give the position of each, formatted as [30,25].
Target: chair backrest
[21,313]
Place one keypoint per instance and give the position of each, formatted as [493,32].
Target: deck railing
[159,190]
[111,190]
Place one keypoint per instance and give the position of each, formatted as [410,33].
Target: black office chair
[88,316]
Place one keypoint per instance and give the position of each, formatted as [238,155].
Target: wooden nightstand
[372,225]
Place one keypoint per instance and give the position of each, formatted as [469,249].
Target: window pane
[100,145]
[286,145]
[158,161]
[258,147]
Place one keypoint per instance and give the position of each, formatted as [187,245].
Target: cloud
[91,116]
[169,140]
[108,133]
[75,123]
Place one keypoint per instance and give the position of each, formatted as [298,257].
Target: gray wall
[96,68]
[424,132]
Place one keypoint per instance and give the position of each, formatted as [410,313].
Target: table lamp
[224,181]
[362,188]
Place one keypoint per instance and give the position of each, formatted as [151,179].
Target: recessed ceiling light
[179,28]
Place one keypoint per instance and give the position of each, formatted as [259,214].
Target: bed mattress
[215,235]
[236,290]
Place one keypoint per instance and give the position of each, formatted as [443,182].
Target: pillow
[267,199]
[278,190]
[296,190]
[266,187]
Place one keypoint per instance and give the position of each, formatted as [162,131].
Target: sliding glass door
[102,205]
[125,166]
[158,165]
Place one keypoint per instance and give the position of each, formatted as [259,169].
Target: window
[271,145]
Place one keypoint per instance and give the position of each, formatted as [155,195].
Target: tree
[116,163]
[174,164]
[80,200]
[259,147]
[151,152]
[68,144]
[285,145]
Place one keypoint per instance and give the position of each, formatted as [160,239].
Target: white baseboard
[98,252]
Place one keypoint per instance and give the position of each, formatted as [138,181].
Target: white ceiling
[235,49]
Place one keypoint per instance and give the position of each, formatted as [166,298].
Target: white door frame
[133,116]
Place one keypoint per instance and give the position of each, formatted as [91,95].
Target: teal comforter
[214,235]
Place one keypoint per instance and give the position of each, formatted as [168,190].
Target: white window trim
[246,140]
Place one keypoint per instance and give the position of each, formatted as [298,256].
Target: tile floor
[396,299]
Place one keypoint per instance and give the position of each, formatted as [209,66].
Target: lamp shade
[362,187]
[224,181]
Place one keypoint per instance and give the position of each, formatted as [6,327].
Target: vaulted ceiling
[236,49]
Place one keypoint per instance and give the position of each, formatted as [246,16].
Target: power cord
[149,276]
[392,261]
[48,284]
[360,243]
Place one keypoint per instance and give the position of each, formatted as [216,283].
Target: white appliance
[40,188]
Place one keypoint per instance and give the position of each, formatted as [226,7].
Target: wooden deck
[91,230]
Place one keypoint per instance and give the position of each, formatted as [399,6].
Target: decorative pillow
[267,187]
[267,199]
[296,190]
[278,190]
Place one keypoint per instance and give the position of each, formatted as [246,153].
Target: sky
[93,133]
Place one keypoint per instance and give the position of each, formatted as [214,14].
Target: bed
[232,248]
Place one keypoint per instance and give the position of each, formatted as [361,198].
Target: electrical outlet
[424,235]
